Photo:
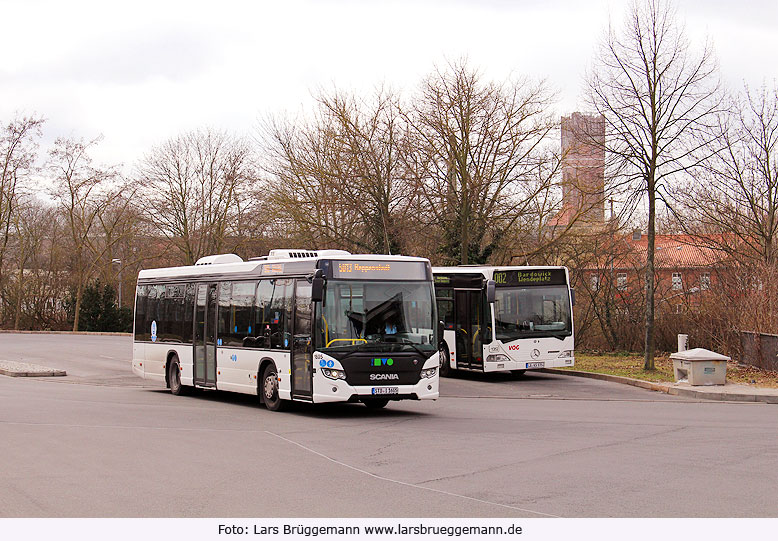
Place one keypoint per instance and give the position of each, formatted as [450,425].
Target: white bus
[504,318]
[324,326]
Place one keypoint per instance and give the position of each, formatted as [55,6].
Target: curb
[87,333]
[668,388]
[17,369]
[14,374]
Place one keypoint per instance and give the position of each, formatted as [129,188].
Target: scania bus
[295,325]
[504,318]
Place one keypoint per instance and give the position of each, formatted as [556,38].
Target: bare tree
[193,188]
[732,200]
[32,225]
[659,101]
[84,194]
[18,151]
[479,158]
[338,176]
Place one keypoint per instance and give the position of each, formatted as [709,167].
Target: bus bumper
[529,364]
[328,390]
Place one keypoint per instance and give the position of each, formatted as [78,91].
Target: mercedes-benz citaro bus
[309,326]
[504,318]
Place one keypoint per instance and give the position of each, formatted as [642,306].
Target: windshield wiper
[357,347]
[417,349]
[403,342]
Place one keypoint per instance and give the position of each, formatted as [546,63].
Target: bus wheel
[174,377]
[270,389]
[375,403]
[517,373]
[445,364]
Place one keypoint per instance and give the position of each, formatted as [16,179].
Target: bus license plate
[536,365]
[386,390]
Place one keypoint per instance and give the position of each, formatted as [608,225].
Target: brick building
[583,173]
[686,267]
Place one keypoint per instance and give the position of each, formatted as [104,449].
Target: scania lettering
[505,318]
[295,325]
[384,376]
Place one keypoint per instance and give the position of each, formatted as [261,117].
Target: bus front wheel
[445,363]
[270,389]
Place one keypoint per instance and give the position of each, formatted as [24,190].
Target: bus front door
[301,344]
[205,335]
[469,347]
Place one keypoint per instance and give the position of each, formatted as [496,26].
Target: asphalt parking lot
[103,443]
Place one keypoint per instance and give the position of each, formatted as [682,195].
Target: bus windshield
[534,311]
[397,316]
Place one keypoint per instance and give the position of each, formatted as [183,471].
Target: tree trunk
[77,311]
[18,311]
[648,361]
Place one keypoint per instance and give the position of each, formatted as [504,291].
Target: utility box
[700,366]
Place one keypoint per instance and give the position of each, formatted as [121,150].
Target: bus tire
[445,363]
[174,377]
[269,388]
[375,403]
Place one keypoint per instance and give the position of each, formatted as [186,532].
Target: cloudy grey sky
[140,72]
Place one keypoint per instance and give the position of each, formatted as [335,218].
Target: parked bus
[504,318]
[324,326]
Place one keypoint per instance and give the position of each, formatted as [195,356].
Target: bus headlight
[429,372]
[499,358]
[333,374]
[566,353]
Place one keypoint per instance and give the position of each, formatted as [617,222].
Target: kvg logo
[382,362]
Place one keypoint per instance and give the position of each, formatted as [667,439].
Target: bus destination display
[379,270]
[541,277]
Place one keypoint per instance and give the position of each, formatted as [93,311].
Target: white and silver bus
[324,326]
[504,318]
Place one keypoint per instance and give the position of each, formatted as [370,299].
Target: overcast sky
[140,72]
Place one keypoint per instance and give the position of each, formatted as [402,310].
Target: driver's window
[272,313]
[349,314]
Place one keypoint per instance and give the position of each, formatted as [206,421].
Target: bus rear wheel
[269,389]
[375,403]
[174,377]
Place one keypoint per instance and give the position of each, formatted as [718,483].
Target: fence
[760,350]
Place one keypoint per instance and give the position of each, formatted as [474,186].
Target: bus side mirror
[441,327]
[490,291]
[317,286]
[572,296]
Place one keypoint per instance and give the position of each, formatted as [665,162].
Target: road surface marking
[403,483]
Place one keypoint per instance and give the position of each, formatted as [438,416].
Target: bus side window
[172,313]
[223,319]
[280,314]
[260,327]
[240,327]
[445,302]
[188,323]
[141,329]
[152,312]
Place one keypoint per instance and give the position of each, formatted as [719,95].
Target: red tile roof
[672,252]
[679,251]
